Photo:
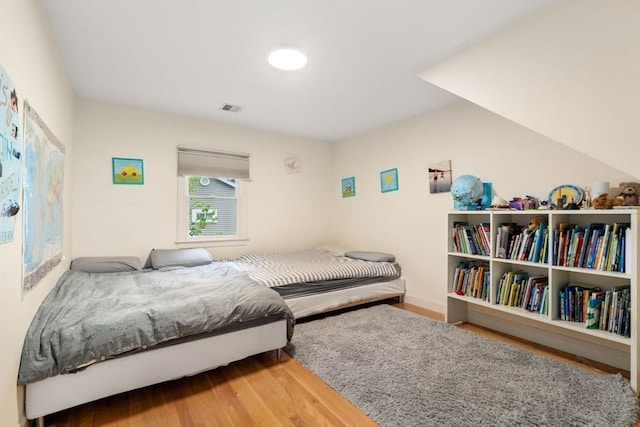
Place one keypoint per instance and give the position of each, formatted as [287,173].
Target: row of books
[471,278]
[471,239]
[606,310]
[518,289]
[519,243]
[596,246]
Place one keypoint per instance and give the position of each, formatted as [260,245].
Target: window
[213,206]
[211,194]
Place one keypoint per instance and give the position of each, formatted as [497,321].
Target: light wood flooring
[256,391]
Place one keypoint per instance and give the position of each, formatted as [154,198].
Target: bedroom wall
[286,211]
[570,72]
[31,60]
[411,222]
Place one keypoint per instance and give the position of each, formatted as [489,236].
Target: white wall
[32,61]
[286,211]
[570,72]
[411,222]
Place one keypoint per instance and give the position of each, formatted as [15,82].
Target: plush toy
[630,192]
[604,202]
[534,224]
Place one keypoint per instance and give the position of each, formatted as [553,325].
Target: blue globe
[466,191]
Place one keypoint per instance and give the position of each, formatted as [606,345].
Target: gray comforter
[89,317]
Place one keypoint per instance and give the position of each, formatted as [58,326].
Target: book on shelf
[505,231]
[585,245]
[604,264]
[623,246]
[576,236]
[539,240]
[618,259]
[594,242]
[484,232]
[563,231]
[469,239]
[514,244]
[613,308]
[510,286]
[545,245]
[554,247]
[576,303]
[471,278]
[468,233]
[531,293]
[593,310]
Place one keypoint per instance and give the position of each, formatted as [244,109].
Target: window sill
[217,242]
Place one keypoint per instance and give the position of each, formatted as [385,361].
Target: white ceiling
[190,56]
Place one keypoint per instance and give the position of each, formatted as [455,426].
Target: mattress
[315,281]
[92,317]
[313,266]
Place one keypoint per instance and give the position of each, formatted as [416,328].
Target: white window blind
[198,162]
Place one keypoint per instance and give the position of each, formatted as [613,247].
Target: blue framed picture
[127,171]
[349,187]
[389,180]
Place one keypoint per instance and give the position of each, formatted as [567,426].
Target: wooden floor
[256,391]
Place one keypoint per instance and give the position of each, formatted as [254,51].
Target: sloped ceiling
[570,72]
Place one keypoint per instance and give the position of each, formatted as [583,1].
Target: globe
[466,191]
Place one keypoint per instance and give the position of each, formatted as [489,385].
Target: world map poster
[10,153]
[43,201]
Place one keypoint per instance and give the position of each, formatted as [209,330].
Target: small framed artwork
[292,165]
[440,177]
[389,180]
[127,171]
[349,187]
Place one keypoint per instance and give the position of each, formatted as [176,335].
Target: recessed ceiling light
[287,58]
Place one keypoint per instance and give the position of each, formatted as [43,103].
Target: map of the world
[43,201]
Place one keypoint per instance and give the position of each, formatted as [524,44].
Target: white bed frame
[189,358]
[321,303]
[150,367]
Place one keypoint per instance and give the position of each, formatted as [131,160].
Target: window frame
[191,163]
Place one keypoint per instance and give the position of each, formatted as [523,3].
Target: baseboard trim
[429,305]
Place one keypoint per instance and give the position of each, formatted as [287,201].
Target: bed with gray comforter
[91,317]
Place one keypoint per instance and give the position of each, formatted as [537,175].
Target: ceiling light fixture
[287,58]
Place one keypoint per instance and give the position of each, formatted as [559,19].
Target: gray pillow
[180,257]
[371,256]
[106,264]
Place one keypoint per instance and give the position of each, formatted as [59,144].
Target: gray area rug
[403,369]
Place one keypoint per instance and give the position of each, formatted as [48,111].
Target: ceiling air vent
[230,107]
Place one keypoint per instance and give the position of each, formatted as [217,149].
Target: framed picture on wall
[389,180]
[349,187]
[440,177]
[127,171]
[292,165]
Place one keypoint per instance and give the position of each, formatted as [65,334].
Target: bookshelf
[542,291]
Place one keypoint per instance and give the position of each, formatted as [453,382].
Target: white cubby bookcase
[546,326]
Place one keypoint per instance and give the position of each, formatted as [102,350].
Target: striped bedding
[275,270]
